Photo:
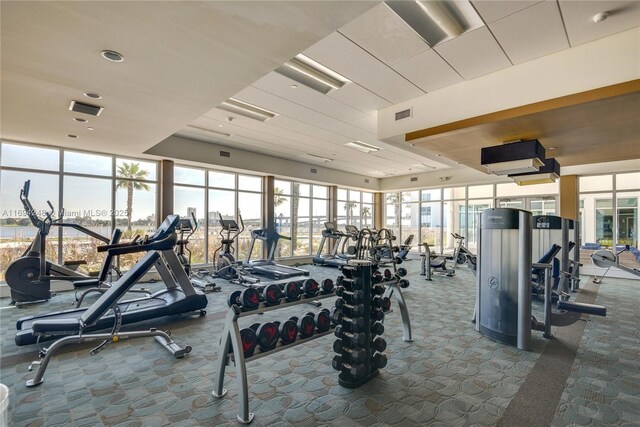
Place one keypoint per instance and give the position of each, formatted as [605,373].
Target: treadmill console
[351,229]
[330,226]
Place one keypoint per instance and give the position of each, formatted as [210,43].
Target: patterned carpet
[449,375]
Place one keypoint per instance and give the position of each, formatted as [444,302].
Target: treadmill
[179,296]
[330,232]
[268,267]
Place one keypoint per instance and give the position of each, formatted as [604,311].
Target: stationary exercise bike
[201,278]
[29,277]
[607,259]
[463,252]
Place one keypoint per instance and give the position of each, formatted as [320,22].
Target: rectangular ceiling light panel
[81,107]
[318,158]
[362,146]
[312,74]
[513,158]
[548,173]
[247,110]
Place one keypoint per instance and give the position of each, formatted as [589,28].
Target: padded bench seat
[69,326]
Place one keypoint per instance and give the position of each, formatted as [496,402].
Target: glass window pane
[342,194]
[136,169]
[135,213]
[249,183]
[221,202]
[301,238]
[430,214]
[16,230]
[454,221]
[513,189]
[354,213]
[342,213]
[393,214]
[480,191]
[282,187]
[367,215]
[250,207]
[410,221]
[24,156]
[430,195]
[627,218]
[475,208]
[90,164]
[319,210]
[222,180]
[301,206]
[282,210]
[410,196]
[596,183]
[192,176]
[628,181]
[87,202]
[595,223]
[185,201]
[543,206]
[303,190]
[367,197]
[320,191]
[354,196]
[454,193]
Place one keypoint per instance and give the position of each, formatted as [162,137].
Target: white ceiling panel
[343,56]
[623,15]
[531,33]
[368,123]
[428,71]
[492,10]
[474,54]
[390,85]
[383,34]
[358,97]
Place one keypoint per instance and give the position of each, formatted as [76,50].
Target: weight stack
[359,351]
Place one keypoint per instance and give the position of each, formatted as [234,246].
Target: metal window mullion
[206,218]
[614,204]
[60,205]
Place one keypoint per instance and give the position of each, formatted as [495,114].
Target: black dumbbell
[249,341]
[377,314]
[387,274]
[403,283]
[292,291]
[379,360]
[323,320]
[288,331]
[398,260]
[379,344]
[377,328]
[248,299]
[401,272]
[355,354]
[376,302]
[272,295]
[377,277]
[354,369]
[306,325]
[378,290]
[349,310]
[327,286]
[355,338]
[267,335]
[352,298]
[386,304]
[338,318]
[309,288]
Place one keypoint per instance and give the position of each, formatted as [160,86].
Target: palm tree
[348,206]
[396,199]
[366,211]
[132,172]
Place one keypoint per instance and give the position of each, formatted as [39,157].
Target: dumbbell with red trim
[287,331]
[327,286]
[247,300]
[309,288]
[306,325]
[267,335]
[248,341]
[322,319]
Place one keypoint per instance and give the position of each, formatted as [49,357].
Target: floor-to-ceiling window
[355,208]
[96,191]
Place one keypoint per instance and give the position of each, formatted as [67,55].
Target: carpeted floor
[449,375]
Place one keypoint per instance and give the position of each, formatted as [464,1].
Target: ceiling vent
[414,179]
[312,74]
[403,114]
[366,180]
[314,170]
[81,107]
[245,109]
[225,154]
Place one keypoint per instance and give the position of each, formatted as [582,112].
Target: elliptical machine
[201,278]
[227,266]
[29,277]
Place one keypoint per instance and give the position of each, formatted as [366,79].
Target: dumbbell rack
[394,289]
[231,340]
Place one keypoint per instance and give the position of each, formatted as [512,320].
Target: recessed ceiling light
[551,148]
[294,86]
[72,136]
[90,128]
[79,119]
[220,126]
[245,109]
[362,146]
[93,95]
[112,55]
[312,74]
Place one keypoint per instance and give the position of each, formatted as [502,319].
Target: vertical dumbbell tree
[357,313]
